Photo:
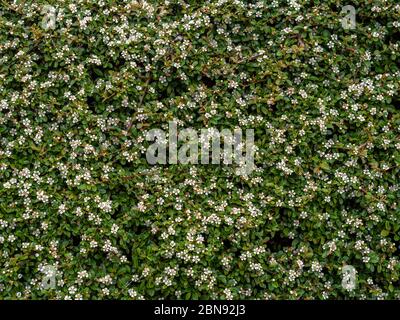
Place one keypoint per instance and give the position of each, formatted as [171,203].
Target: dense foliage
[77,193]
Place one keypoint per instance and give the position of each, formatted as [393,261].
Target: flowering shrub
[83,215]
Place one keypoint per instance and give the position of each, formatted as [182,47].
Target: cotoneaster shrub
[77,193]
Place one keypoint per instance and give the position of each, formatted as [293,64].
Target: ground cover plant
[83,215]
